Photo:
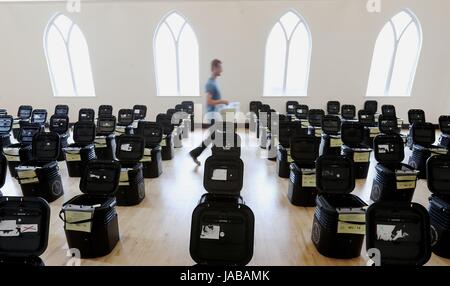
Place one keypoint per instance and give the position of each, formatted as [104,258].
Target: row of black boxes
[393,226]
[222,229]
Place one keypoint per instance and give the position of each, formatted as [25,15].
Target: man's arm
[214,102]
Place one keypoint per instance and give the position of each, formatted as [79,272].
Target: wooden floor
[157,231]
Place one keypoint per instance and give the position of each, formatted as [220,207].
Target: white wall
[120,33]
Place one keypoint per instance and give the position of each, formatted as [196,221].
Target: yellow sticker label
[12,154]
[403,185]
[73,157]
[146,159]
[100,141]
[351,228]
[318,132]
[28,181]
[348,217]
[309,181]
[406,178]
[119,131]
[16,126]
[355,217]
[440,151]
[289,157]
[26,174]
[147,155]
[74,216]
[163,143]
[11,158]
[361,157]
[375,130]
[335,142]
[124,179]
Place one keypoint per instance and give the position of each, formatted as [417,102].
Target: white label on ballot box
[210,231]
[9,228]
[351,228]
[74,214]
[8,224]
[126,147]
[28,228]
[361,156]
[12,154]
[308,178]
[392,232]
[385,149]
[335,142]
[220,175]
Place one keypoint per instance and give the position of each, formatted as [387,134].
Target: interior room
[334,115]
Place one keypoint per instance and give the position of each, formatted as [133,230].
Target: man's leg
[205,143]
[197,152]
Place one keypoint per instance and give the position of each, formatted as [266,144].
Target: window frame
[414,21]
[176,43]
[303,21]
[51,23]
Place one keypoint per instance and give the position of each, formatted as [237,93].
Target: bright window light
[176,54]
[68,58]
[288,55]
[395,58]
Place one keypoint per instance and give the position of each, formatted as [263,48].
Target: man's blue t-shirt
[213,89]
